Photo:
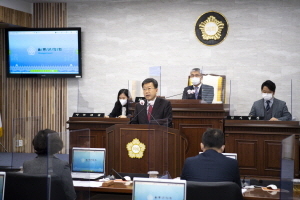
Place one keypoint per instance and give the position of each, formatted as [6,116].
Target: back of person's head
[196,70]
[269,84]
[150,80]
[213,138]
[47,142]
[125,92]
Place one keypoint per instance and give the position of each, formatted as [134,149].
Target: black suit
[162,109]
[206,93]
[117,110]
[211,166]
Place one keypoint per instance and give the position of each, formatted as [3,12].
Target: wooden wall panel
[30,104]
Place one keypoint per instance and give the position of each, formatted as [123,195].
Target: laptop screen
[167,189]
[88,160]
[2,184]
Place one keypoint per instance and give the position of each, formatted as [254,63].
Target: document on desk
[87,183]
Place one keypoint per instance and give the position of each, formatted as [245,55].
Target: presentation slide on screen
[35,52]
[166,191]
[88,161]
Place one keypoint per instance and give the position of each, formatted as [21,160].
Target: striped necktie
[268,105]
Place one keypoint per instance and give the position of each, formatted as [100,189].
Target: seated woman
[46,162]
[121,106]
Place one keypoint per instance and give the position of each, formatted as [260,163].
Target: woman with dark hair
[121,106]
[46,143]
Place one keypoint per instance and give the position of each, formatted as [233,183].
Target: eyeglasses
[195,75]
[147,89]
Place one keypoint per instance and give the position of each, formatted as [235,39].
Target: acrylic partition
[77,155]
[242,97]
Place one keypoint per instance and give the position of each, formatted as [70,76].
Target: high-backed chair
[213,191]
[21,186]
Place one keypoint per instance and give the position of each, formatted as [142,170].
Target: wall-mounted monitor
[43,52]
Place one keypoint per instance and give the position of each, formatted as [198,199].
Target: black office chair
[213,191]
[19,186]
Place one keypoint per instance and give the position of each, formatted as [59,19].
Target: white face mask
[195,80]
[123,101]
[267,96]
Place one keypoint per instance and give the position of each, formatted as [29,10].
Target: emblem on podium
[135,148]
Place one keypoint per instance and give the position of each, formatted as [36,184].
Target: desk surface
[126,187]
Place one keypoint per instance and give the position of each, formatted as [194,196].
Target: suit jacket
[279,110]
[40,165]
[162,109]
[117,110]
[206,93]
[211,166]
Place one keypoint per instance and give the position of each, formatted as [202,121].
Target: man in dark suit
[198,90]
[153,109]
[211,165]
[269,107]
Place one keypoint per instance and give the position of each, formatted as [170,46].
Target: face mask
[267,96]
[195,80]
[123,101]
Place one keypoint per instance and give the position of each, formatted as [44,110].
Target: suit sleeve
[237,179]
[68,182]
[115,112]
[286,115]
[184,174]
[184,93]
[252,111]
[168,113]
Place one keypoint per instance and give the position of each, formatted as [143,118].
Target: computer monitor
[154,188]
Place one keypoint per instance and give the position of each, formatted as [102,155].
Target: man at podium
[153,108]
[269,107]
[198,90]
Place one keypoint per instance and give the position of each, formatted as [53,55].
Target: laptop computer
[154,188]
[88,163]
[2,184]
[229,155]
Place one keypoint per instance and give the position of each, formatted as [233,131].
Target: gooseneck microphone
[174,95]
[3,147]
[123,179]
[138,113]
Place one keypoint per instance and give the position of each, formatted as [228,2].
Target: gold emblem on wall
[211,28]
[135,148]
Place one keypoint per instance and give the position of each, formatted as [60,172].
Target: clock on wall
[211,28]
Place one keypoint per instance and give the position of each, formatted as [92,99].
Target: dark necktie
[268,105]
[196,92]
[149,112]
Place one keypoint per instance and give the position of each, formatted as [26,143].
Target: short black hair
[213,138]
[150,80]
[123,91]
[269,84]
[43,138]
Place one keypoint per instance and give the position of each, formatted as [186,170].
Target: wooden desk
[258,145]
[259,194]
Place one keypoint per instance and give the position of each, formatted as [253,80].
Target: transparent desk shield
[76,157]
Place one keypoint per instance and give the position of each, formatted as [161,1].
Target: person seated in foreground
[153,108]
[198,90]
[211,165]
[45,158]
[269,107]
[121,109]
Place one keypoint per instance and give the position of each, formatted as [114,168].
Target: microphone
[123,179]
[174,95]
[3,147]
[138,113]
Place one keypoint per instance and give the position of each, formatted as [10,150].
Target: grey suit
[40,165]
[279,110]
[206,93]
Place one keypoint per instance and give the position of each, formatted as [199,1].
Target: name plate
[244,118]
[88,115]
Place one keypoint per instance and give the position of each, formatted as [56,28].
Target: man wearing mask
[269,107]
[198,90]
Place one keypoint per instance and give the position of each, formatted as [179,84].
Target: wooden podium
[164,149]
[258,145]
[192,118]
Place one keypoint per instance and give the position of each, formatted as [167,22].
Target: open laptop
[154,188]
[229,155]
[88,163]
[2,184]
